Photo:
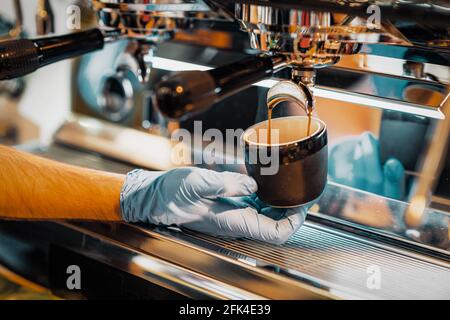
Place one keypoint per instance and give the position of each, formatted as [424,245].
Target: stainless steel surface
[153,21]
[150,267]
[180,265]
[370,88]
[309,38]
[363,99]
[371,96]
[316,263]
[433,13]
[315,39]
[372,215]
[117,94]
[290,91]
[126,257]
[342,262]
[335,262]
[400,66]
[165,7]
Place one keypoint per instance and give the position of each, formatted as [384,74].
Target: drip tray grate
[351,266]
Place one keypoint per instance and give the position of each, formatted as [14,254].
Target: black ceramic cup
[292,170]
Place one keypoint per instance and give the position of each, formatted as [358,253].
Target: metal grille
[345,264]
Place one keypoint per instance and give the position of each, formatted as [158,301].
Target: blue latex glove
[216,203]
[355,162]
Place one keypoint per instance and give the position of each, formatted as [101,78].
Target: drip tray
[348,265]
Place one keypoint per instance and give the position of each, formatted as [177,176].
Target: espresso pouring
[283,130]
[285,133]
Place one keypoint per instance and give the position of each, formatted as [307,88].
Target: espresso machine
[145,69]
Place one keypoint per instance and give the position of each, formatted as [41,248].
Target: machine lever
[22,56]
[182,94]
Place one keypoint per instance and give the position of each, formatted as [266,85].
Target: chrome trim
[267,20]
[377,102]
[190,266]
[433,13]
[153,269]
[155,21]
[372,64]
[367,100]
[311,38]
[278,269]
[164,6]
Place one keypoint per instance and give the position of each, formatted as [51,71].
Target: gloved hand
[217,203]
[355,162]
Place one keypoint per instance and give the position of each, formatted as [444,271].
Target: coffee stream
[269,122]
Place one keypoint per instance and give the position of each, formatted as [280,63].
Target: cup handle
[290,91]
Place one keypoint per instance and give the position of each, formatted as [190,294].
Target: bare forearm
[32,187]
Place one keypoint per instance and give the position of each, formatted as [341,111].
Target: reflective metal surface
[153,21]
[318,262]
[341,262]
[168,7]
[332,261]
[357,209]
[309,38]
[432,13]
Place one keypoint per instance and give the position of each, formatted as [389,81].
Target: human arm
[33,187]
[217,203]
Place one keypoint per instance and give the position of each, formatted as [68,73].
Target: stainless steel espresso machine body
[164,66]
